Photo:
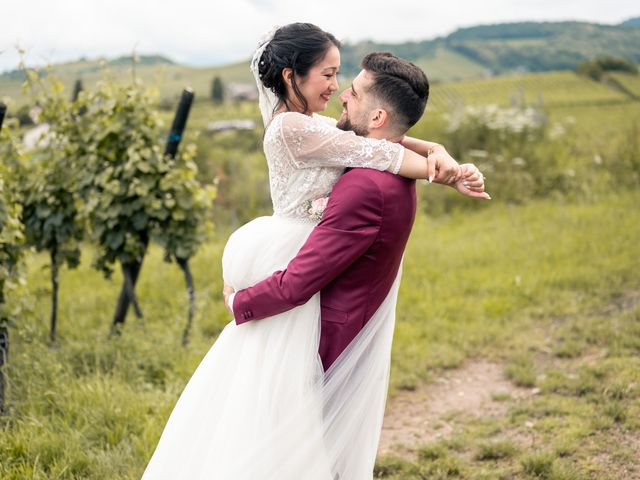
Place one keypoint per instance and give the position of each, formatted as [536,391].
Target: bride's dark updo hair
[298,46]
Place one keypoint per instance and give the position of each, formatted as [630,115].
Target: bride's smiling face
[320,83]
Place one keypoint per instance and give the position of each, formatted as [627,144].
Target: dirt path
[414,418]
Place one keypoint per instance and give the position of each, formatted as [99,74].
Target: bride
[259,405]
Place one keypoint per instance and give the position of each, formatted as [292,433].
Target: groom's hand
[227,290]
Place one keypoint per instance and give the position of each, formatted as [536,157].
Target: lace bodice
[307,154]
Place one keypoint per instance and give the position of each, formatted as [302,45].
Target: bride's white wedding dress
[259,406]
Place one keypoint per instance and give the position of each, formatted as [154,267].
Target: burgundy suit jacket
[352,257]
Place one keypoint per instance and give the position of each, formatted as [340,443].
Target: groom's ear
[378,118]
[287,76]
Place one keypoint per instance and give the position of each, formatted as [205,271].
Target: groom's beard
[345,124]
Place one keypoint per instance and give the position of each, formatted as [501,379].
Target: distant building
[242,91]
[224,125]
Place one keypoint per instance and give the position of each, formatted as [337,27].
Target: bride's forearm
[421,147]
[416,166]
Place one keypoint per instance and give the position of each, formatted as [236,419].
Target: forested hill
[632,21]
[530,46]
[545,46]
[83,66]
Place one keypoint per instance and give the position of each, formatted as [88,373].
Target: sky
[211,32]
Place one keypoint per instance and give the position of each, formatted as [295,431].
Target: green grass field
[93,407]
[446,65]
[557,303]
[551,90]
[549,289]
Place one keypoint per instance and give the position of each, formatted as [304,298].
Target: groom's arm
[349,226]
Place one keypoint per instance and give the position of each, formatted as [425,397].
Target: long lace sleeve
[314,142]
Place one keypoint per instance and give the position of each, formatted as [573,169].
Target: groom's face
[356,104]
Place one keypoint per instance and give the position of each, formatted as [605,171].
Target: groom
[353,255]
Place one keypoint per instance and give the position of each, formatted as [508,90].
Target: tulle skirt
[259,406]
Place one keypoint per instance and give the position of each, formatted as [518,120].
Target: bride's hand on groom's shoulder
[471,183]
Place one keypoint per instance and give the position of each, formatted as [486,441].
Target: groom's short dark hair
[400,85]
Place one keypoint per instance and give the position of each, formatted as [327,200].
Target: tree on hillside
[596,68]
[217,90]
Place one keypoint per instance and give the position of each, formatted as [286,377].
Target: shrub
[517,148]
